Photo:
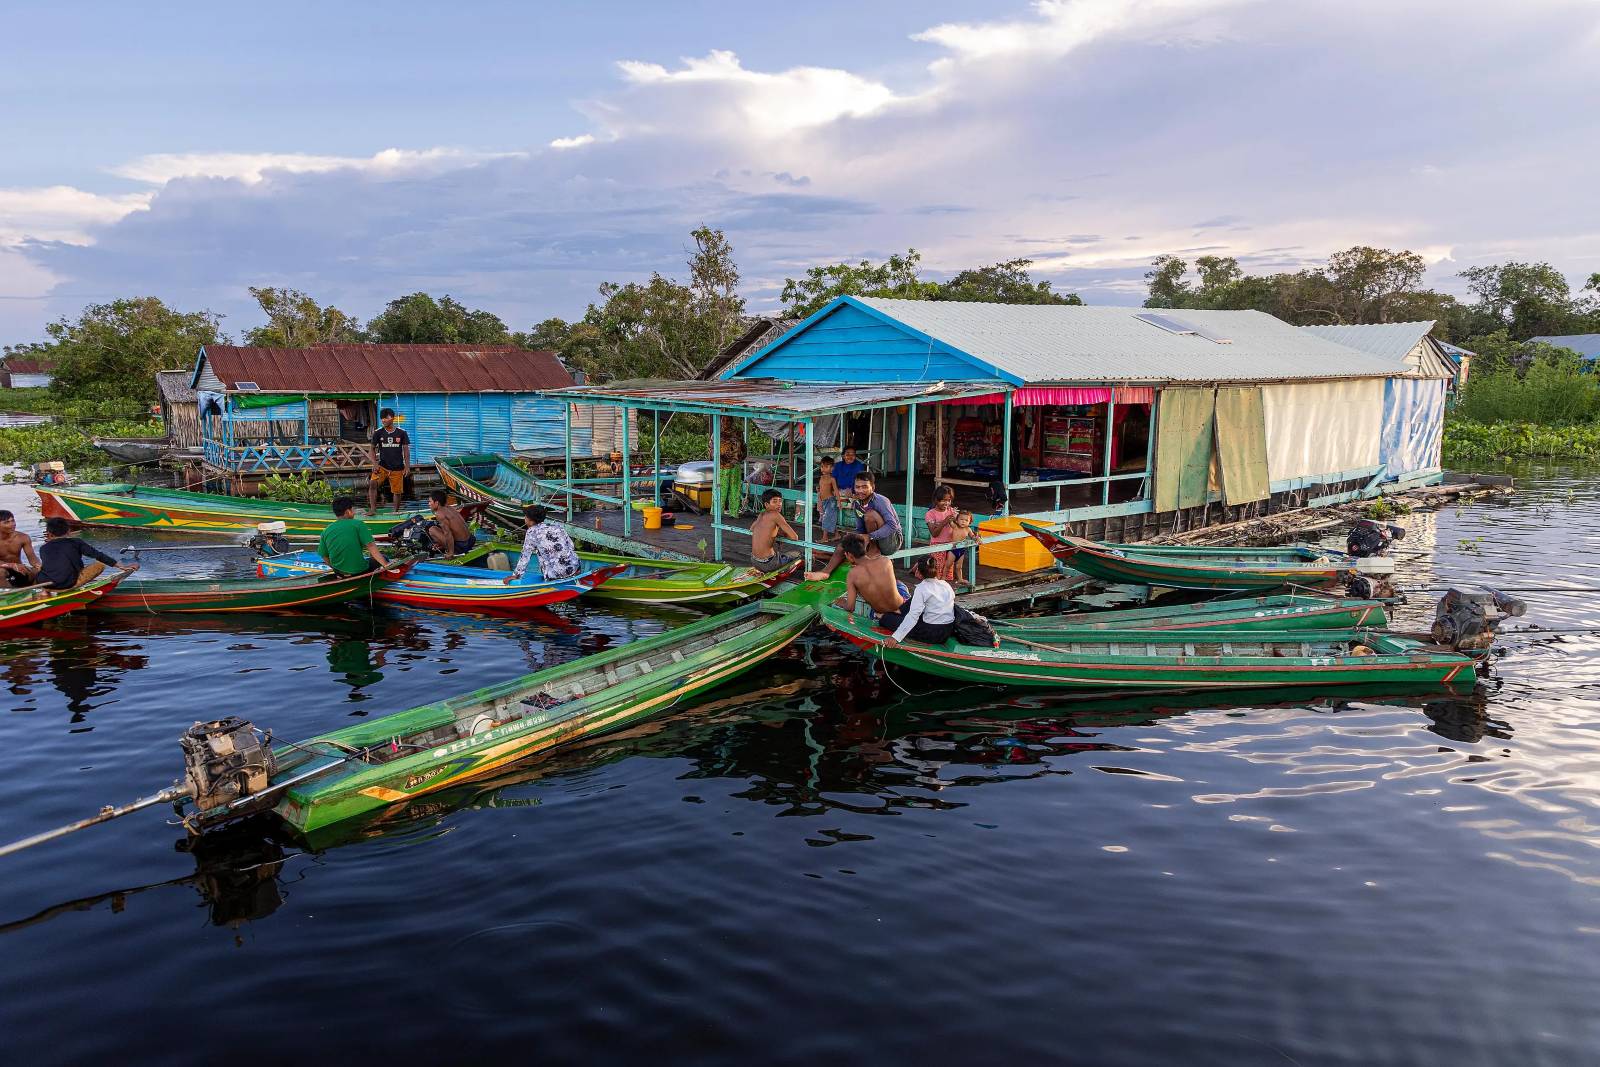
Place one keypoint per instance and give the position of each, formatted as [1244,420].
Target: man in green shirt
[347,544]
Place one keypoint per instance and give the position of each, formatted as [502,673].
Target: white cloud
[253,167]
[61,213]
[572,142]
[1062,26]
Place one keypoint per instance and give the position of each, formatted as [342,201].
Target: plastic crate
[1022,554]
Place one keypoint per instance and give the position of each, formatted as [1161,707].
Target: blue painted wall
[850,344]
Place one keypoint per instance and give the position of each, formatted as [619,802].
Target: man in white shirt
[930,614]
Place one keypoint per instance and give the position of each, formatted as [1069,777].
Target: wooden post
[567,430]
[655,460]
[810,497]
[938,443]
[1005,455]
[911,468]
[627,479]
[1111,407]
[716,487]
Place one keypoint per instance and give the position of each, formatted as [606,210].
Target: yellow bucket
[652,518]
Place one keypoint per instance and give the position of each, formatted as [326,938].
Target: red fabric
[1038,396]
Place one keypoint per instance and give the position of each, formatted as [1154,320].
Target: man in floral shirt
[557,556]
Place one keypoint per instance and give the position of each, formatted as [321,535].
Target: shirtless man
[449,533]
[764,552]
[14,545]
[871,579]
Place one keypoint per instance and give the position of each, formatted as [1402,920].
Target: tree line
[668,327]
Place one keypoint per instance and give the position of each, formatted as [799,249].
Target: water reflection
[86,668]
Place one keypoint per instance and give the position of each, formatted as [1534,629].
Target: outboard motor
[1369,579]
[224,761]
[412,535]
[1465,619]
[269,539]
[1370,538]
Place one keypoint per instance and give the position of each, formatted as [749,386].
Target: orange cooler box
[1021,554]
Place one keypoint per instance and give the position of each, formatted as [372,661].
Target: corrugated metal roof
[762,331]
[387,368]
[771,397]
[173,385]
[1386,340]
[26,365]
[1586,345]
[1041,343]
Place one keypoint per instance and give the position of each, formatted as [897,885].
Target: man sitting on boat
[347,545]
[557,557]
[391,461]
[877,521]
[930,614]
[14,544]
[870,588]
[764,551]
[61,564]
[449,532]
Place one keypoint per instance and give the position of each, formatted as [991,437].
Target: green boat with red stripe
[25,607]
[1286,611]
[1165,659]
[1185,567]
[145,507]
[209,596]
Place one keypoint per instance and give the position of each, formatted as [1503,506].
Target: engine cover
[1465,619]
[223,761]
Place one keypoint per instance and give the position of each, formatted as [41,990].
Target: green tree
[1002,283]
[294,320]
[1529,300]
[551,335]
[114,350]
[898,276]
[661,328]
[419,319]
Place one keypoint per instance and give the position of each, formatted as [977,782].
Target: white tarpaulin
[1316,428]
[1413,425]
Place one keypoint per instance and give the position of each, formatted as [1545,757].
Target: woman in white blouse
[930,614]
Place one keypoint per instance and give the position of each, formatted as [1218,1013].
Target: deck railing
[267,457]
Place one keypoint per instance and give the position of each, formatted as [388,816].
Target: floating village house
[180,409]
[1118,422]
[26,372]
[272,410]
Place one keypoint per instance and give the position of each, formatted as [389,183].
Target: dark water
[827,865]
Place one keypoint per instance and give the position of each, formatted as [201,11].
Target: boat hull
[143,507]
[1395,661]
[228,596]
[132,449]
[498,483]
[1285,612]
[345,793]
[450,587]
[25,607]
[1235,570]
[652,581]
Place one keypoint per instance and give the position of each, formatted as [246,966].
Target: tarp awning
[1242,444]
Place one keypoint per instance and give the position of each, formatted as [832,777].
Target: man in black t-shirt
[391,460]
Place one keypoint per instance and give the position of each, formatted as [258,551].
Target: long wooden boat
[1182,567]
[212,595]
[1288,611]
[154,508]
[1163,659]
[132,449]
[453,587]
[654,581]
[369,765]
[492,480]
[25,607]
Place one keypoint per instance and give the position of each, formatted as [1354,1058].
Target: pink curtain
[1064,395]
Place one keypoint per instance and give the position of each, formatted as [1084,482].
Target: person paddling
[61,564]
[346,544]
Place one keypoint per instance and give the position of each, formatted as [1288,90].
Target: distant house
[762,331]
[1462,358]
[26,372]
[180,408]
[273,409]
[1586,345]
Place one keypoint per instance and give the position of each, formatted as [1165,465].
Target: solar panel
[247,387]
[1176,325]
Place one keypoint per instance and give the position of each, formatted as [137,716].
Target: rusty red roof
[387,368]
[28,365]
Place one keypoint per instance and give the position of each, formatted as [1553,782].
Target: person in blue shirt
[877,520]
[846,470]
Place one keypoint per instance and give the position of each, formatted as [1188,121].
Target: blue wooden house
[272,410]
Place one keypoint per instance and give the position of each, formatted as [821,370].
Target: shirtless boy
[14,545]
[871,578]
[764,553]
[449,534]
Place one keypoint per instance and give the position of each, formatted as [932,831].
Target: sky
[517,155]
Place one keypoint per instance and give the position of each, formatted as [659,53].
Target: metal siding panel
[852,346]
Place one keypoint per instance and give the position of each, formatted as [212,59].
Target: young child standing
[962,535]
[941,528]
[827,498]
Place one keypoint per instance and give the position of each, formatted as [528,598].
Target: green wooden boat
[1288,611]
[231,595]
[153,508]
[27,606]
[369,765]
[650,581]
[492,480]
[1163,659]
[1183,567]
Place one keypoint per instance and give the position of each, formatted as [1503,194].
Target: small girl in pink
[941,528]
